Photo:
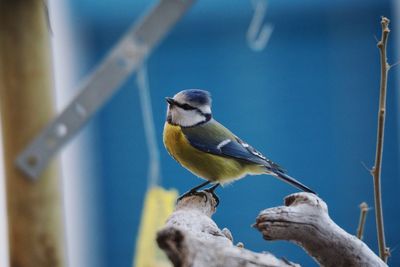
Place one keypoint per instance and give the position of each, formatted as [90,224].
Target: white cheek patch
[186,118]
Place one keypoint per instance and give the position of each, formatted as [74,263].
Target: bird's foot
[200,193]
[189,193]
[211,190]
[193,191]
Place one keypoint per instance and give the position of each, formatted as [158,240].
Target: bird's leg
[193,191]
[211,190]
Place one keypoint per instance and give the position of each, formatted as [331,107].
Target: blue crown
[198,96]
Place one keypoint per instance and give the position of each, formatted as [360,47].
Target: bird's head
[189,108]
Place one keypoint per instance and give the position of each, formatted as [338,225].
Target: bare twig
[376,170]
[363,216]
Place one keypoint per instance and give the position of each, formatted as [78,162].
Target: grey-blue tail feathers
[290,180]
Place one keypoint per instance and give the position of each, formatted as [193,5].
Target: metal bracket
[124,59]
[258,34]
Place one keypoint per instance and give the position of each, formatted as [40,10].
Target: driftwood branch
[376,170]
[191,238]
[304,220]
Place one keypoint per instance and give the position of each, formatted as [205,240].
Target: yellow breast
[205,165]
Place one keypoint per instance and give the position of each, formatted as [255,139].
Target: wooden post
[34,208]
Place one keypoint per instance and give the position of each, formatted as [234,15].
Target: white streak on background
[4,258]
[154,174]
[82,219]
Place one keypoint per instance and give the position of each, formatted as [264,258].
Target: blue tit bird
[208,149]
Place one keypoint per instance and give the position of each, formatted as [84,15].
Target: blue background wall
[308,101]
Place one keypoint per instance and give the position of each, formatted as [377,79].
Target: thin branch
[376,170]
[363,216]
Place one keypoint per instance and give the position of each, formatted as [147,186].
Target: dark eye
[187,107]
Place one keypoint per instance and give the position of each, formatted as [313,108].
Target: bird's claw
[188,194]
[198,193]
[211,191]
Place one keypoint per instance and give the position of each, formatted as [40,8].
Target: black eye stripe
[185,106]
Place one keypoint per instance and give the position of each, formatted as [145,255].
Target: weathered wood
[191,238]
[305,221]
[33,207]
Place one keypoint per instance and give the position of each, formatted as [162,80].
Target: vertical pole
[34,208]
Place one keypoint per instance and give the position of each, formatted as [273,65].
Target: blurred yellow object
[159,204]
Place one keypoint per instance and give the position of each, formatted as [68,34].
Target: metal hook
[258,43]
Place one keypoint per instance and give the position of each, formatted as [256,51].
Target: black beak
[170,100]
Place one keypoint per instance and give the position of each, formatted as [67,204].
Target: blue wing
[214,138]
